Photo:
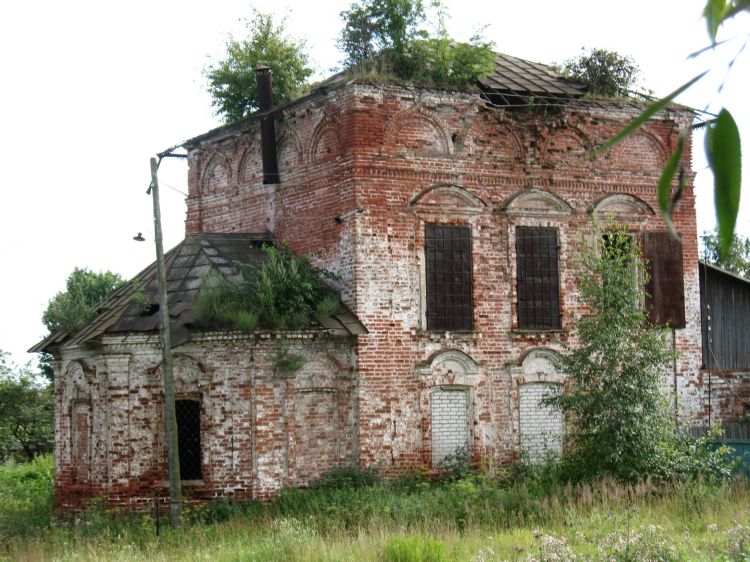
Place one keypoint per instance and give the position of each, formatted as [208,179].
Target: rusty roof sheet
[518,76]
[186,264]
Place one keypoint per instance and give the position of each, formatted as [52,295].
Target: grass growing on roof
[284,292]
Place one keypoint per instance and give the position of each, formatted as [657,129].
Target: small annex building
[725,317]
[453,220]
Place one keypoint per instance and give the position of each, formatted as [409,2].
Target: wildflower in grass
[737,542]
[486,554]
[553,549]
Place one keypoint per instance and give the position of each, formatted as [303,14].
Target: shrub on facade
[285,292]
[620,421]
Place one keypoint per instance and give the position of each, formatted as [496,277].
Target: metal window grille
[188,414]
[449,277]
[538,278]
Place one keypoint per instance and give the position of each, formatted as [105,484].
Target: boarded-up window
[665,290]
[538,278]
[189,438]
[448,268]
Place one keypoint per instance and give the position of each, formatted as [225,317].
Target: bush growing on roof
[72,309]
[389,37]
[605,73]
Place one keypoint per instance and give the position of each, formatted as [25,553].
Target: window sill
[186,483]
[538,334]
[433,335]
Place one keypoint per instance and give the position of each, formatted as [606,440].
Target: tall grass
[353,515]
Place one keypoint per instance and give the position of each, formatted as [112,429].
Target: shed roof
[716,268]
[186,264]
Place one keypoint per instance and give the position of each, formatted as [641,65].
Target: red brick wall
[363,169]
[387,150]
[261,429]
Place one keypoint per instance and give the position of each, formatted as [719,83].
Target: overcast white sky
[92,89]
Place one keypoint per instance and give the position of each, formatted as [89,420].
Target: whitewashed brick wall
[541,426]
[450,423]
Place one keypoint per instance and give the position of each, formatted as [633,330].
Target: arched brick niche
[566,148]
[415,132]
[217,176]
[316,432]
[537,203]
[642,152]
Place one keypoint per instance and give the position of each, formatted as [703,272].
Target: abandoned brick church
[453,220]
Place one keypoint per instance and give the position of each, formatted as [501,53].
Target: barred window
[449,277]
[538,278]
[188,413]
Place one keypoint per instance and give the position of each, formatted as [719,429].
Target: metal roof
[518,76]
[186,264]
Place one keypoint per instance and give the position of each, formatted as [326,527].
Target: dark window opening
[449,277]
[149,309]
[622,250]
[538,278]
[188,413]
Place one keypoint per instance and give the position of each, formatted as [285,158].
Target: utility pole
[175,485]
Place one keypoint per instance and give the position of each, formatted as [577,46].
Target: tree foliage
[72,309]
[285,292]
[736,259]
[391,37]
[26,413]
[231,80]
[605,73]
